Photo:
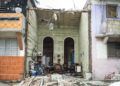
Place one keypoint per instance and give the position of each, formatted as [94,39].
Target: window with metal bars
[113,49]
[9,47]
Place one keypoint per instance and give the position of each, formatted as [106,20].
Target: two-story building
[14,37]
[105,37]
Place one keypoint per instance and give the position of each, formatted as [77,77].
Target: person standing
[39,66]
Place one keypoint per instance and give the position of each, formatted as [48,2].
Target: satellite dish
[18,10]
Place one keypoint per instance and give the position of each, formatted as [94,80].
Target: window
[111,11]
[8,47]
[113,49]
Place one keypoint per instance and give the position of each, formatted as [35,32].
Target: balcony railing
[12,21]
[111,26]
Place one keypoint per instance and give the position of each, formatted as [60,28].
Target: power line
[74,4]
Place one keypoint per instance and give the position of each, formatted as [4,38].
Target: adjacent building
[14,38]
[105,37]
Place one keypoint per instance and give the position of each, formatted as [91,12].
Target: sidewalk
[4,84]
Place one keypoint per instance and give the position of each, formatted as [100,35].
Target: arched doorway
[48,48]
[68,51]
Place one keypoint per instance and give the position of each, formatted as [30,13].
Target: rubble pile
[58,80]
[116,77]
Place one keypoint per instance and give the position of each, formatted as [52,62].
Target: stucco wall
[31,34]
[32,29]
[59,34]
[101,65]
[84,42]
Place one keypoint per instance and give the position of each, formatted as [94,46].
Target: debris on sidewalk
[115,84]
[58,80]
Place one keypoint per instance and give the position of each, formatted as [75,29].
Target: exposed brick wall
[11,67]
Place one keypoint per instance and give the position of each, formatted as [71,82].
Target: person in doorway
[43,60]
[47,61]
[58,67]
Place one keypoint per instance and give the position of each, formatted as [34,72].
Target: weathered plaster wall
[32,33]
[59,34]
[84,42]
[101,65]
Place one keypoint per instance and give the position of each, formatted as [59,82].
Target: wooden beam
[19,39]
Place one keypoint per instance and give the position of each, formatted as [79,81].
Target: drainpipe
[26,45]
[90,41]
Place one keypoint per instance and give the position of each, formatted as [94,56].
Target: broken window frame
[111,11]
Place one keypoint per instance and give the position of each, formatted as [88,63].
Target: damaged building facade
[105,38]
[60,37]
[89,38]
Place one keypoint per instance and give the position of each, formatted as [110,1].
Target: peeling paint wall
[84,42]
[32,33]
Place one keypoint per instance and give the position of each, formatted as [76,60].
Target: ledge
[107,35]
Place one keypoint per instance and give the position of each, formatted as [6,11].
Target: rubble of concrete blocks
[57,80]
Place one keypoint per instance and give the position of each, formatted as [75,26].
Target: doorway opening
[68,51]
[48,49]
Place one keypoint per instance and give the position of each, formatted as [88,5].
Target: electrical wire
[74,4]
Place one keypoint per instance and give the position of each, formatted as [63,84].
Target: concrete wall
[101,65]
[32,33]
[59,34]
[84,42]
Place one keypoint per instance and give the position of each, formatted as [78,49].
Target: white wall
[84,42]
